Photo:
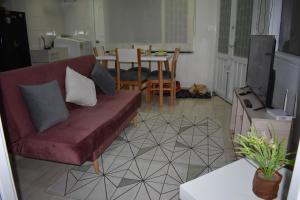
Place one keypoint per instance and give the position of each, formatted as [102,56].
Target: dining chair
[98,52]
[145,49]
[168,80]
[131,78]
[112,71]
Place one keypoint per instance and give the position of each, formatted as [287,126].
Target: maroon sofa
[83,136]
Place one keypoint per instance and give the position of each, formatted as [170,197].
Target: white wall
[41,16]
[7,186]
[268,18]
[260,18]
[64,18]
[99,22]
[294,192]
[79,16]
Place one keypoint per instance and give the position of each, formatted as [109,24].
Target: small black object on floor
[183,93]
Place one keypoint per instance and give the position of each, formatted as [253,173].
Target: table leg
[117,68]
[105,63]
[161,85]
[167,67]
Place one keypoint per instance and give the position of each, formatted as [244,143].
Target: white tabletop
[231,182]
[106,57]
[143,58]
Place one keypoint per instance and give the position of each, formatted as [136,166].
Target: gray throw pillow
[103,79]
[45,104]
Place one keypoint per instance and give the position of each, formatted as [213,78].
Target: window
[244,9]
[243,28]
[224,26]
[163,23]
[289,37]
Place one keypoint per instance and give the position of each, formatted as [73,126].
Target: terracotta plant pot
[266,188]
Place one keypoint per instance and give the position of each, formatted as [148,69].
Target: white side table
[231,182]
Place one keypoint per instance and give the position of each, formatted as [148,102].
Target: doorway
[235,22]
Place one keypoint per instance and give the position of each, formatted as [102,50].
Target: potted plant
[269,155]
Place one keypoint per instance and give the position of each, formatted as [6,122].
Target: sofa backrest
[16,117]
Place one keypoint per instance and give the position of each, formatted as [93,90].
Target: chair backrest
[98,51]
[174,62]
[127,55]
[146,48]
[95,51]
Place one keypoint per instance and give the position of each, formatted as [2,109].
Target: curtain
[163,23]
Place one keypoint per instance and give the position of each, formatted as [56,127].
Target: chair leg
[161,84]
[96,166]
[172,93]
[148,93]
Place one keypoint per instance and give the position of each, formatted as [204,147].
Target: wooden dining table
[161,60]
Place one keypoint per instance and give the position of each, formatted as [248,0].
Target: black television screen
[260,73]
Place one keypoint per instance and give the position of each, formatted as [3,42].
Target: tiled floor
[43,180]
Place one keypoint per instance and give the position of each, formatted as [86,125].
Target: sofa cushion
[87,129]
[103,79]
[154,75]
[80,90]
[113,72]
[45,104]
[145,70]
[132,75]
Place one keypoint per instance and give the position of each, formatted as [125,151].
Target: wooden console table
[242,117]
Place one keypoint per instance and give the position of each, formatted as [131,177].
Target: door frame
[227,64]
[7,185]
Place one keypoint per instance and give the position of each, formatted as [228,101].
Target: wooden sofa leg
[134,121]
[96,166]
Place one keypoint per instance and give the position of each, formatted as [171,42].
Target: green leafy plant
[269,155]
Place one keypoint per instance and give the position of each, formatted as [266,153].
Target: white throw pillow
[80,90]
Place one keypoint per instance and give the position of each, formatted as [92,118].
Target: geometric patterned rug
[149,160]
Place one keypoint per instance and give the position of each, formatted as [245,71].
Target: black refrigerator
[14,47]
